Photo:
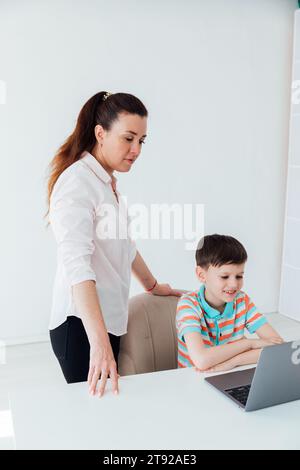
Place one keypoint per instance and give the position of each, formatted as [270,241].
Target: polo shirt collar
[213,312]
[97,168]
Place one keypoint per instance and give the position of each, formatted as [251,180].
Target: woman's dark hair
[216,250]
[99,109]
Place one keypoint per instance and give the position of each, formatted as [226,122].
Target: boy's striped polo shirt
[195,314]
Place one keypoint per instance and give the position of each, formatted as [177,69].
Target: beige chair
[150,344]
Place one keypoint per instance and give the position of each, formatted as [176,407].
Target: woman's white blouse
[76,214]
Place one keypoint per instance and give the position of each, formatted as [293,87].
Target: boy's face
[222,283]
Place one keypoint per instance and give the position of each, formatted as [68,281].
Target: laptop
[275,379]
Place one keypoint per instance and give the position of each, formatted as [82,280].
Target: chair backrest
[150,344]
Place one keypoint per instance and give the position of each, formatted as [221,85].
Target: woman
[90,299]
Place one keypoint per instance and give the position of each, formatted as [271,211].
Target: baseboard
[25,340]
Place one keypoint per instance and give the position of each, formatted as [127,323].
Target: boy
[211,322]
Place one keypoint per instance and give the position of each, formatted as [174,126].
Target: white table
[173,409]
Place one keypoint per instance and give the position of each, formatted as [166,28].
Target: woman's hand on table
[103,365]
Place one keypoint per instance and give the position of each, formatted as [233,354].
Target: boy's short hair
[216,250]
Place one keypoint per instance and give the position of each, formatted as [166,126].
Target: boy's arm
[257,323]
[248,357]
[204,358]
[267,332]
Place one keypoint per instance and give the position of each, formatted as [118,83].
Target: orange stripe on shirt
[183,307]
[240,314]
[186,356]
[193,294]
[225,336]
[228,322]
[238,328]
[205,341]
[194,302]
[258,315]
[189,317]
[229,335]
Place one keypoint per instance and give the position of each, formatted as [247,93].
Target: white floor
[34,363]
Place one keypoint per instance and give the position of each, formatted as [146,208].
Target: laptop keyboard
[239,393]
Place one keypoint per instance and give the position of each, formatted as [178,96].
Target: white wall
[290,279]
[215,76]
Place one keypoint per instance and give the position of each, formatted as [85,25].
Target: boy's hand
[276,340]
[226,365]
[262,343]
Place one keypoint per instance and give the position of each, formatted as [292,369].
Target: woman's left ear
[99,132]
